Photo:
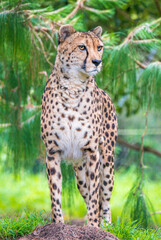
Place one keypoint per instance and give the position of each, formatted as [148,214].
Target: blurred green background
[131,75]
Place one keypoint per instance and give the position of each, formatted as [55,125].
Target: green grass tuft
[21,225]
[131,231]
[11,228]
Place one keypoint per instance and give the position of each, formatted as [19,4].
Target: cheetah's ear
[64,32]
[97,31]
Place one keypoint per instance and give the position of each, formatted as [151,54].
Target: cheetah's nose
[96,62]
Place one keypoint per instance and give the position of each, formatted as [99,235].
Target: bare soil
[62,231]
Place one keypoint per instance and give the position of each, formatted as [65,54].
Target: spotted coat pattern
[79,124]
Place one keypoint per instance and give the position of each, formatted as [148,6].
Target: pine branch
[45,74]
[156,22]
[15,8]
[32,37]
[21,124]
[140,64]
[79,5]
[37,29]
[50,38]
[50,26]
[144,41]
[43,49]
[130,36]
[137,147]
[41,44]
[29,120]
[53,12]
[95,10]
[109,47]
[118,76]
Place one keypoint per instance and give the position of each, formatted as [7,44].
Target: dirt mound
[66,232]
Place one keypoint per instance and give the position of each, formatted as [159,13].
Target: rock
[62,231]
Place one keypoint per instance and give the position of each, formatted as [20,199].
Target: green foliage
[31,50]
[28,43]
[131,231]
[21,225]
[151,84]
[121,69]
[137,206]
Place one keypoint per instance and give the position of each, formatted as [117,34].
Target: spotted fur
[79,124]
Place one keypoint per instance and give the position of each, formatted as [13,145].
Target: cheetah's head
[80,51]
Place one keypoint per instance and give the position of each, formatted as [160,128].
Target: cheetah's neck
[71,83]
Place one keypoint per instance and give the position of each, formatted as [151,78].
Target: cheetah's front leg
[55,184]
[92,175]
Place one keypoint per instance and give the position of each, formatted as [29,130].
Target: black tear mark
[84,64]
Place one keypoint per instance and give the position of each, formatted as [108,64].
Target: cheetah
[79,124]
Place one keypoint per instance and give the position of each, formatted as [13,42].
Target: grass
[21,225]
[31,192]
[11,228]
[131,231]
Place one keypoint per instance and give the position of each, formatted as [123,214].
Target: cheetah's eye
[82,47]
[99,48]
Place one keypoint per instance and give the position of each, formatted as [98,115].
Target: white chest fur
[74,133]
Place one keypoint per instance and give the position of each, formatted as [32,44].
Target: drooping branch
[40,42]
[50,38]
[137,147]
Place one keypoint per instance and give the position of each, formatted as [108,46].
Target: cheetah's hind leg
[80,173]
